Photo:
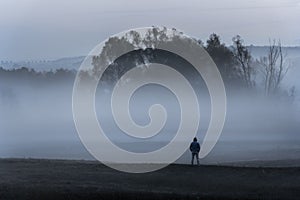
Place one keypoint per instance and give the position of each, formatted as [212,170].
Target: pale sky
[49,29]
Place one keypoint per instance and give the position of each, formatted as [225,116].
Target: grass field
[65,179]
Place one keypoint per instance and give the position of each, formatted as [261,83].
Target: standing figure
[195,148]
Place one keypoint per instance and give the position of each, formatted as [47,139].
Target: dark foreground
[55,179]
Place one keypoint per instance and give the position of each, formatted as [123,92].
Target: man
[195,148]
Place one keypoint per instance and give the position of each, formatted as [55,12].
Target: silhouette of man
[195,148]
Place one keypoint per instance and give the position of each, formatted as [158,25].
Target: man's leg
[197,157]
[193,155]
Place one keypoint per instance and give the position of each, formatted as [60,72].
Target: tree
[224,59]
[274,68]
[244,59]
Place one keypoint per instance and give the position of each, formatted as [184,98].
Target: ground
[65,179]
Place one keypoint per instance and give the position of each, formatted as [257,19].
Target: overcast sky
[49,29]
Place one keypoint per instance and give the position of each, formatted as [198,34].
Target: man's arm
[198,146]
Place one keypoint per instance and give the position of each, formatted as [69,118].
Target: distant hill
[71,63]
[258,51]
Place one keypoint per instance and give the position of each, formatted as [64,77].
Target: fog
[36,122]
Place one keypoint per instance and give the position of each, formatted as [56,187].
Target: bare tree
[243,56]
[274,67]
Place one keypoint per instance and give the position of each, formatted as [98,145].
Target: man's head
[195,139]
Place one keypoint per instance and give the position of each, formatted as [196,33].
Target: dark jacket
[195,147]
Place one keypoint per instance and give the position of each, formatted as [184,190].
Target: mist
[36,122]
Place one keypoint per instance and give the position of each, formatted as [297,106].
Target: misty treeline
[30,75]
[257,102]
[238,68]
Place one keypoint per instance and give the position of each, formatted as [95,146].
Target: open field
[65,179]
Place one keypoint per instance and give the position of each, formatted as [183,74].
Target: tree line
[236,64]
